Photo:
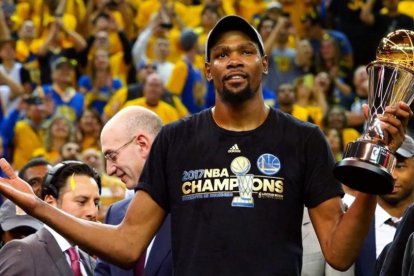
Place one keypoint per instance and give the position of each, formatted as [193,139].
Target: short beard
[232,98]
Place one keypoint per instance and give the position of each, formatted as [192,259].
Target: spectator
[186,80]
[346,18]
[24,124]
[310,98]
[67,101]
[34,172]
[287,103]
[70,151]
[59,131]
[135,90]
[100,85]
[53,49]
[15,223]
[161,49]
[88,129]
[106,35]
[385,23]
[335,117]
[152,99]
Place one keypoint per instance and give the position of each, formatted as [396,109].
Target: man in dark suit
[74,188]
[125,158]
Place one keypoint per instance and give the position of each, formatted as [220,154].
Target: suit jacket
[159,262]
[39,255]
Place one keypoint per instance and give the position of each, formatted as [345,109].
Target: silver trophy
[368,163]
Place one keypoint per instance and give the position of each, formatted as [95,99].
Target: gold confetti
[72,182]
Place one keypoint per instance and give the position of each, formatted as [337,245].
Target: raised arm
[341,234]
[121,245]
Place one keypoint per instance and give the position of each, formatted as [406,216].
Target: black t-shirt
[194,171]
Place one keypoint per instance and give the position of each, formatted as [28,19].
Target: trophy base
[364,177]
[367,168]
[240,202]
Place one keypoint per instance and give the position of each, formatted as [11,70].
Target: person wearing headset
[74,188]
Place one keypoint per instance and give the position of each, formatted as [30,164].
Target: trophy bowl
[368,163]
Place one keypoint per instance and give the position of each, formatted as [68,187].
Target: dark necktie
[74,261]
[391,222]
[139,267]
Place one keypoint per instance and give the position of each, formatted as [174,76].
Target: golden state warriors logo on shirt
[268,164]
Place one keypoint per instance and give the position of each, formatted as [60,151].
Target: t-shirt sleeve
[321,184]
[154,177]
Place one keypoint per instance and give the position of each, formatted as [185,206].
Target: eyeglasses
[112,155]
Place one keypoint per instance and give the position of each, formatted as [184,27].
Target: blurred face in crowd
[361,81]
[93,158]
[334,140]
[145,71]
[153,89]
[286,94]
[101,60]
[209,18]
[336,118]
[27,30]
[36,112]
[60,128]
[323,81]
[89,122]
[266,28]
[7,51]
[35,176]
[304,51]
[328,48]
[102,39]
[162,48]
[79,197]
[70,151]
[64,74]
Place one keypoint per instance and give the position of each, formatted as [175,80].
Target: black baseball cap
[232,23]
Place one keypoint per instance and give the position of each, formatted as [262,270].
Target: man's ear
[207,71]
[49,199]
[144,143]
[265,64]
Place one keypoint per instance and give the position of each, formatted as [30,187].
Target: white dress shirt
[65,245]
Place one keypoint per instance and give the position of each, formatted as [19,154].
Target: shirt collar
[62,242]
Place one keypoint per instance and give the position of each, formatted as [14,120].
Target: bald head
[132,119]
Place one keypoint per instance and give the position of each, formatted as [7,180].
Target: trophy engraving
[368,163]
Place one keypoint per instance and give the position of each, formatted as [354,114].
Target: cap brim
[232,23]
[404,153]
[12,223]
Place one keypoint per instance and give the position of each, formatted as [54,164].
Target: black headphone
[49,183]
